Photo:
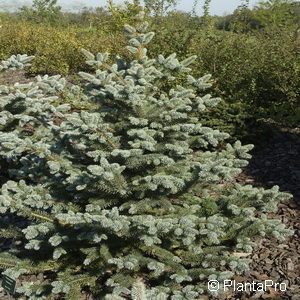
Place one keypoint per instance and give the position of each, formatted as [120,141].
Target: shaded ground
[278,163]
[10,77]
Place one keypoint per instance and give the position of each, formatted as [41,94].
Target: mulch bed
[278,163]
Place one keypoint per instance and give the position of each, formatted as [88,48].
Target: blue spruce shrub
[133,200]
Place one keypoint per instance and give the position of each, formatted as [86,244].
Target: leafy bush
[57,50]
[135,191]
[261,70]
[42,11]
[122,14]
[276,13]
[175,33]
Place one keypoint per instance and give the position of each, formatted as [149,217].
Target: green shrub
[57,50]
[122,14]
[276,13]
[175,33]
[261,70]
[42,11]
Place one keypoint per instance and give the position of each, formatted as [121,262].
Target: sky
[218,7]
